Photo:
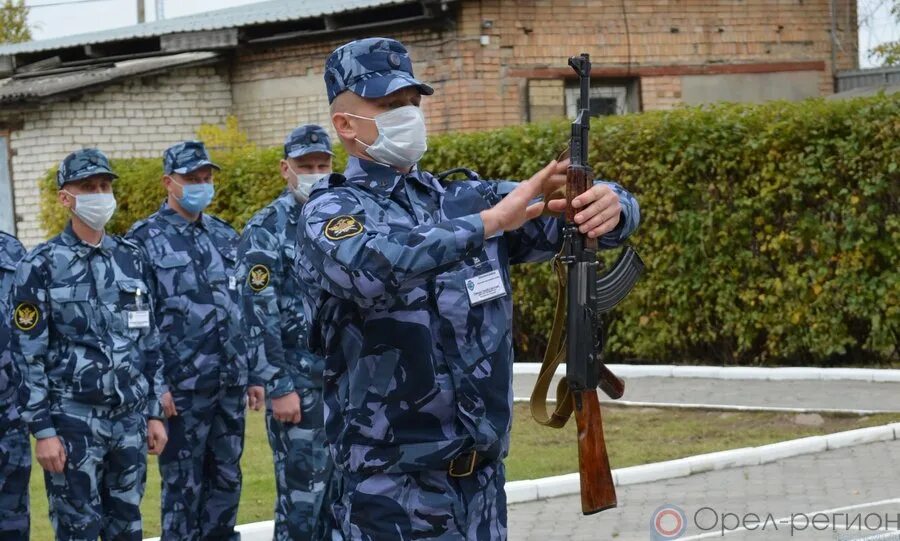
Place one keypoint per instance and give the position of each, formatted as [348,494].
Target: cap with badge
[305,140]
[82,164]
[186,157]
[371,68]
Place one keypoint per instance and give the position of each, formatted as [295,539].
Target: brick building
[133,91]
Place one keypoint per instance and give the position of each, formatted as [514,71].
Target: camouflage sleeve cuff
[154,409]
[280,386]
[470,234]
[43,432]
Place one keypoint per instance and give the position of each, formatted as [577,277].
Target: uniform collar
[290,204]
[382,178]
[177,220]
[83,249]
[7,260]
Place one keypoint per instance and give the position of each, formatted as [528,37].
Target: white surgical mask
[401,138]
[305,182]
[94,209]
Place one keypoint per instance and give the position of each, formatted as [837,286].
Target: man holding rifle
[409,299]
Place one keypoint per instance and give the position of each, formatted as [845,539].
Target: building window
[606,98]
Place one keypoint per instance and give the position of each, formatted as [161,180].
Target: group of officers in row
[370,312]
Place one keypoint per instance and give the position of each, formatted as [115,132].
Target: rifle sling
[556,352]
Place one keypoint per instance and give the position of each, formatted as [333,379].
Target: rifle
[584,297]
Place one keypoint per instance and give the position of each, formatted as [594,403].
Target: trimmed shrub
[770,232]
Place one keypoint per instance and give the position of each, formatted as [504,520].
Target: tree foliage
[889,52]
[14,22]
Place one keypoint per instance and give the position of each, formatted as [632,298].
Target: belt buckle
[452,471]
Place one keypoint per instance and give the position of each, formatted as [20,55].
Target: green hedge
[770,232]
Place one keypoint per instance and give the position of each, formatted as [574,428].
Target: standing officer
[277,343]
[193,259]
[15,453]
[410,304]
[88,351]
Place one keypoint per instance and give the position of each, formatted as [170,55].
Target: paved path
[857,395]
[856,476]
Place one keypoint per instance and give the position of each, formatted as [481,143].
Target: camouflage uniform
[193,267]
[417,381]
[88,351]
[15,453]
[278,355]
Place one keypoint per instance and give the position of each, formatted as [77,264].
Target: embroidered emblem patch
[259,277]
[343,227]
[26,316]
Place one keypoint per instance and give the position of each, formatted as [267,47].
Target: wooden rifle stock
[598,492]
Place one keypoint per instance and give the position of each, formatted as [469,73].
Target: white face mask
[94,209]
[305,182]
[401,138]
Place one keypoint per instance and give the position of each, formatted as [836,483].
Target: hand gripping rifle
[583,297]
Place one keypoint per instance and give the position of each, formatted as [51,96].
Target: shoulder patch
[258,279]
[26,316]
[343,227]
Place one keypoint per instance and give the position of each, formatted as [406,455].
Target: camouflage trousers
[423,505]
[99,492]
[15,471]
[201,465]
[303,473]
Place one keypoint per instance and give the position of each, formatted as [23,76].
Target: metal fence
[867,78]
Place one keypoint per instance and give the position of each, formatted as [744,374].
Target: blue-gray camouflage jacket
[273,309]
[73,337]
[11,252]
[415,374]
[196,286]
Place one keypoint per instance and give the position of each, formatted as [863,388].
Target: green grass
[633,436]
[644,435]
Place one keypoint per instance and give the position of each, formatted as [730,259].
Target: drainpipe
[833,47]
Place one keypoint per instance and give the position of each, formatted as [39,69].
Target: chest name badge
[485,287]
[232,282]
[139,318]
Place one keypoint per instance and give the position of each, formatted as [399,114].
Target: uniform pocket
[71,309]
[175,273]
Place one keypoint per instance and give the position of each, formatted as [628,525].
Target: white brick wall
[137,118]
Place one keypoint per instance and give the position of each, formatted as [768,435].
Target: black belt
[465,464]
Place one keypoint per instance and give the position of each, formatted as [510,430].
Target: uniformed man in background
[15,452]
[88,351]
[277,343]
[193,259]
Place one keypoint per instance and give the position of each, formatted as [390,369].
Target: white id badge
[138,319]
[232,283]
[485,287]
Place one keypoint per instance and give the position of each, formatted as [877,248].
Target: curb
[564,485]
[875,375]
[719,407]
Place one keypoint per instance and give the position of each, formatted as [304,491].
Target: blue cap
[82,164]
[305,140]
[185,157]
[371,68]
